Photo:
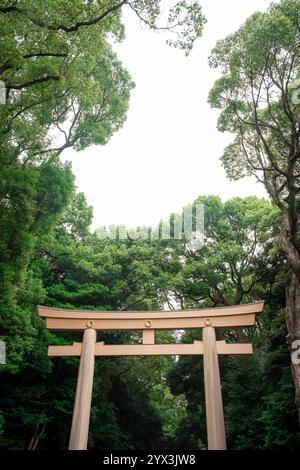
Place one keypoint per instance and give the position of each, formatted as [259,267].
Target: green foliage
[256,95]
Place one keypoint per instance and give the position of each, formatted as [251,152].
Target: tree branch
[33,82]
[57,27]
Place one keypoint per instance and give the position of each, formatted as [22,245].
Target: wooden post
[83,398]
[213,395]
[148,337]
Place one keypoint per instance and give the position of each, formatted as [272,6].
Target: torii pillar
[84,389]
[216,437]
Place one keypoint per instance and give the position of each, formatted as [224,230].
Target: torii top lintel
[219,317]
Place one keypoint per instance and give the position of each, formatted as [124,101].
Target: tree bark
[288,246]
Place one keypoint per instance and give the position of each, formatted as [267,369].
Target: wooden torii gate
[208,319]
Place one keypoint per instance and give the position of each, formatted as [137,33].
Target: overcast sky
[167,153]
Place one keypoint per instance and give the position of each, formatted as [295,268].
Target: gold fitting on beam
[148,323]
[207,322]
[90,323]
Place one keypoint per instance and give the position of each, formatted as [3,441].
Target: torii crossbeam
[148,322]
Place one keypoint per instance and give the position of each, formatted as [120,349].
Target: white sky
[167,153]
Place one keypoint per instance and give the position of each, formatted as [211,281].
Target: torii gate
[207,319]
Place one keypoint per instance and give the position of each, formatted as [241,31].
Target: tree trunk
[289,246]
[293,327]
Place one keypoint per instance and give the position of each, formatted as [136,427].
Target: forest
[65,87]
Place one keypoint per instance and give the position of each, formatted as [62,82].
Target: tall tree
[259,99]
[64,85]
